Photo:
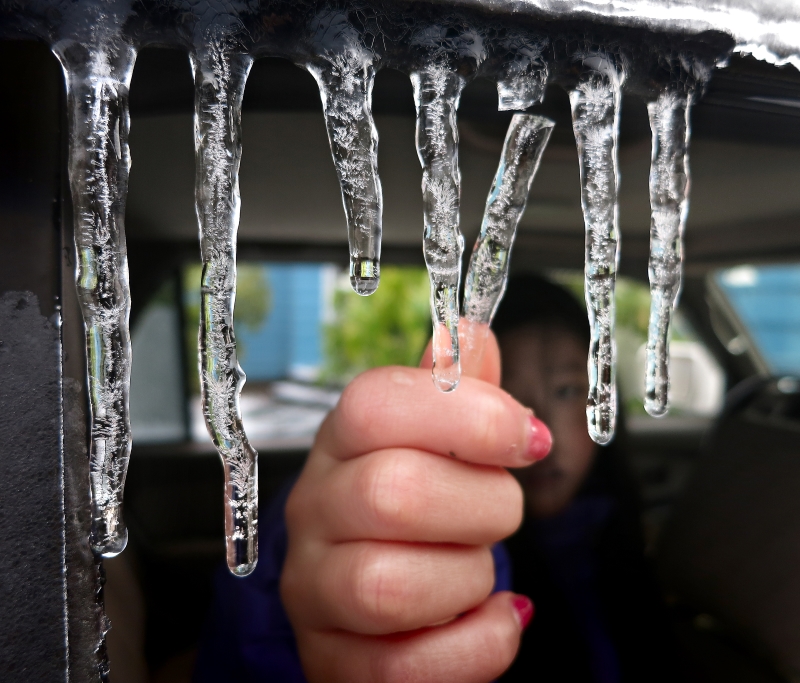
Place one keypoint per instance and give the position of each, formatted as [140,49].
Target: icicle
[345,74]
[220,71]
[595,119]
[669,187]
[437,90]
[524,72]
[98,77]
[525,142]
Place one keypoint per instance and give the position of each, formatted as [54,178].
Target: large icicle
[437,90]
[487,276]
[97,78]
[595,102]
[345,73]
[220,72]
[669,187]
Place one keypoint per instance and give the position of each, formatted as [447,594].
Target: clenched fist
[389,572]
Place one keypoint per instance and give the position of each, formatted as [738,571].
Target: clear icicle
[487,275]
[220,71]
[97,95]
[345,75]
[523,73]
[437,90]
[595,102]
[669,187]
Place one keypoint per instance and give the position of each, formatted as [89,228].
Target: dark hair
[531,299]
[534,300]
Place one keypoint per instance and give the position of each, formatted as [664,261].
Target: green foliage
[633,305]
[391,327]
[253,297]
[632,299]
[253,304]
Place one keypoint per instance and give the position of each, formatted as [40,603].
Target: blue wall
[290,340]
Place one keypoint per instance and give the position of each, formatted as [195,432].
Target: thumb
[480,354]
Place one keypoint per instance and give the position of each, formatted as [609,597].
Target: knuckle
[488,421]
[347,407]
[359,403]
[392,668]
[483,581]
[513,500]
[293,508]
[388,485]
[502,645]
[378,593]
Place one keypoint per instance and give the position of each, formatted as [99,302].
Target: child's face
[544,367]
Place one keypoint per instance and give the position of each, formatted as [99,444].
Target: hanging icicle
[487,275]
[595,102]
[523,71]
[669,189]
[220,72]
[98,77]
[345,72]
[437,90]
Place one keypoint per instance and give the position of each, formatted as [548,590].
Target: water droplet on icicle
[343,68]
[487,275]
[669,185]
[595,103]
[220,71]
[98,76]
[437,90]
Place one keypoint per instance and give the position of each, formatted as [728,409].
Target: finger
[409,495]
[374,587]
[480,354]
[396,407]
[475,648]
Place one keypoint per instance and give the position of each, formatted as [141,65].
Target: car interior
[718,478]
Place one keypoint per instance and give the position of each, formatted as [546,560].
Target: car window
[697,383]
[301,335]
[766,301]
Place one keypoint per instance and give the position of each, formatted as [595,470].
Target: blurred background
[718,477]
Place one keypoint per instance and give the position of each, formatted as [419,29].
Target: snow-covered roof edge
[768,30]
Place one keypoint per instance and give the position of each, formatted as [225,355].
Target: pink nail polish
[523,607]
[540,440]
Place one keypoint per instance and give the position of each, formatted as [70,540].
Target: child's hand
[389,570]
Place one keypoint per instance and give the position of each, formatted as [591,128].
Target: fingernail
[523,608]
[540,440]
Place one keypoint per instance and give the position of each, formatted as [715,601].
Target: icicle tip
[365,275]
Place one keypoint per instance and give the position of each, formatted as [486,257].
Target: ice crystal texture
[669,186]
[595,103]
[97,72]
[345,73]
[523,73]
[437,90]
[667,49]
[220,72]
[487,275]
